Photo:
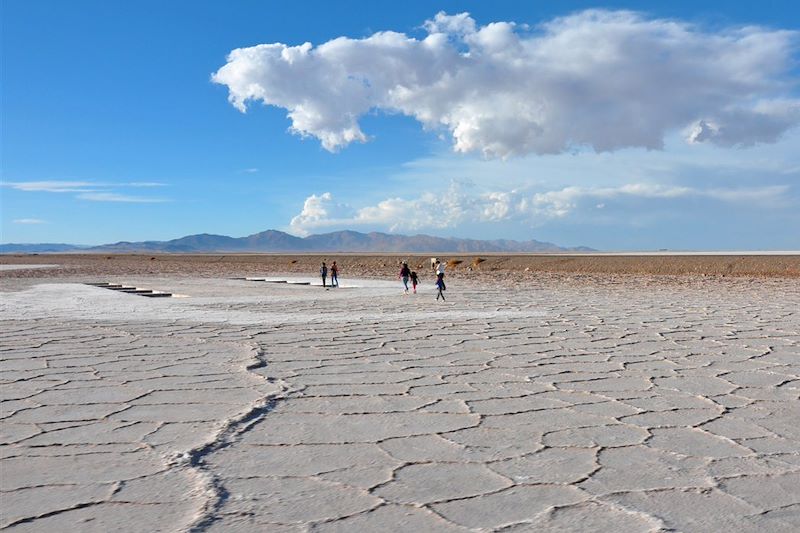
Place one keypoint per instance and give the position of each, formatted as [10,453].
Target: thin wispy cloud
[89,190]
[50,186]
[603,79]
[143,184]
[116,197]
[28,221]
[250,170]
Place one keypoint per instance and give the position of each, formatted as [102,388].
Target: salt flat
[644,404]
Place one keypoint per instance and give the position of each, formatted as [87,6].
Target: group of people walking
[406,275]
[334,271]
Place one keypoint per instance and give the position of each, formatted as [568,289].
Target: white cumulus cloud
[604,79]
[455,206]
[320,211]
[395,214]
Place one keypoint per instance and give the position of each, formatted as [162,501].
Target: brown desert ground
[485,267]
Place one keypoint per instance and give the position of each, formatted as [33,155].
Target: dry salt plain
[602,404]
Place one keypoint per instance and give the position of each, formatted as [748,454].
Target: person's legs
[405,283]
[323,281]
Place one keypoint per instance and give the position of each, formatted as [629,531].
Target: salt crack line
[210,485]
[48,514]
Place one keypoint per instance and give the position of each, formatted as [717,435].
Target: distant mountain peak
[278,241]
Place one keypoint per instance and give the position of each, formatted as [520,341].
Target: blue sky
[675,127]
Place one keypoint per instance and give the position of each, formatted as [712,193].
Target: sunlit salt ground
[23,267]
[637,405]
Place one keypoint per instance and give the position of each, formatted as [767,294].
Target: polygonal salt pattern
[605,404]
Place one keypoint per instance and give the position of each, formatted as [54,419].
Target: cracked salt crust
[256,406]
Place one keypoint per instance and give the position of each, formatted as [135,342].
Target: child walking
[414,281]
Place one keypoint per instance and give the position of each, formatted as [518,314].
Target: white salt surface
[238,302]
[252,406]
[24,267]
[684,253]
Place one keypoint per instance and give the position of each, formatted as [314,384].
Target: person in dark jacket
[323,271]
[441,286]
[405,273]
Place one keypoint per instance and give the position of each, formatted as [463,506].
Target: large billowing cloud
[605,79]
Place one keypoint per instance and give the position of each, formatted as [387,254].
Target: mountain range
[278,241]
